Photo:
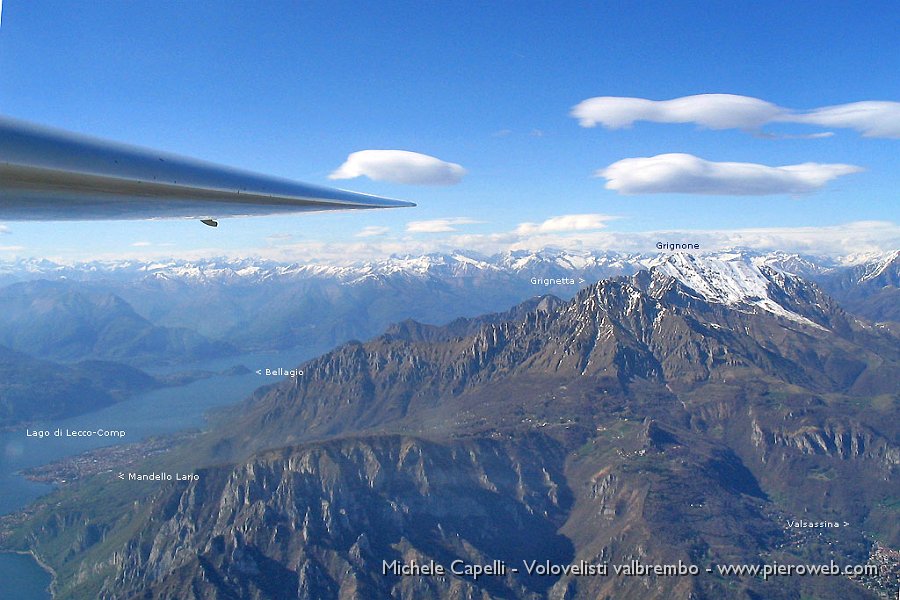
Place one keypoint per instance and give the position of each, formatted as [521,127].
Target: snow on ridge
[738,279]
[732,278]
[726,279]
[798,264]
[876,268]
[867,258]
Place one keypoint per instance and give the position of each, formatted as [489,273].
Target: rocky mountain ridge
[641,420]
[649,327]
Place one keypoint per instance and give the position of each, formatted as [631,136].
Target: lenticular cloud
[399,166]
[872,119]
[688,174]
[730,111]
[716,111]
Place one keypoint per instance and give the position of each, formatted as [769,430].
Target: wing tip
[404,204]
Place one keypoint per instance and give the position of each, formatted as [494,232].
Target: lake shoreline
[51,588]
[153,420]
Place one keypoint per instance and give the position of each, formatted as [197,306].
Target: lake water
[159,412]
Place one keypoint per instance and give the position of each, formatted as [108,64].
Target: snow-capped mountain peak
[735,279]
[879,267]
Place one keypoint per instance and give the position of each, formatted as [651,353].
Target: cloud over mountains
[564,223]
[373,231]
[439,225]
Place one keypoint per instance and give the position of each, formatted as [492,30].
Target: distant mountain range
[252,305]
[35,389]
[461,263]
[65,322]
[869,289]
[688,412]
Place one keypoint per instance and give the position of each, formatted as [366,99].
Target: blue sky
[293,88]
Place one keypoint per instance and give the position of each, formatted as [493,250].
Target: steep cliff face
[318,521]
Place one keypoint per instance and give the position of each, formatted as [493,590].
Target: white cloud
[584,222]
[439,225]
[872,119]
[836,240]
[141,244]
[794,136]
[399,166]
[853,238]
[4,229]
[716,111]
[279,237]
[730,111]
[372,231]
[688,174]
